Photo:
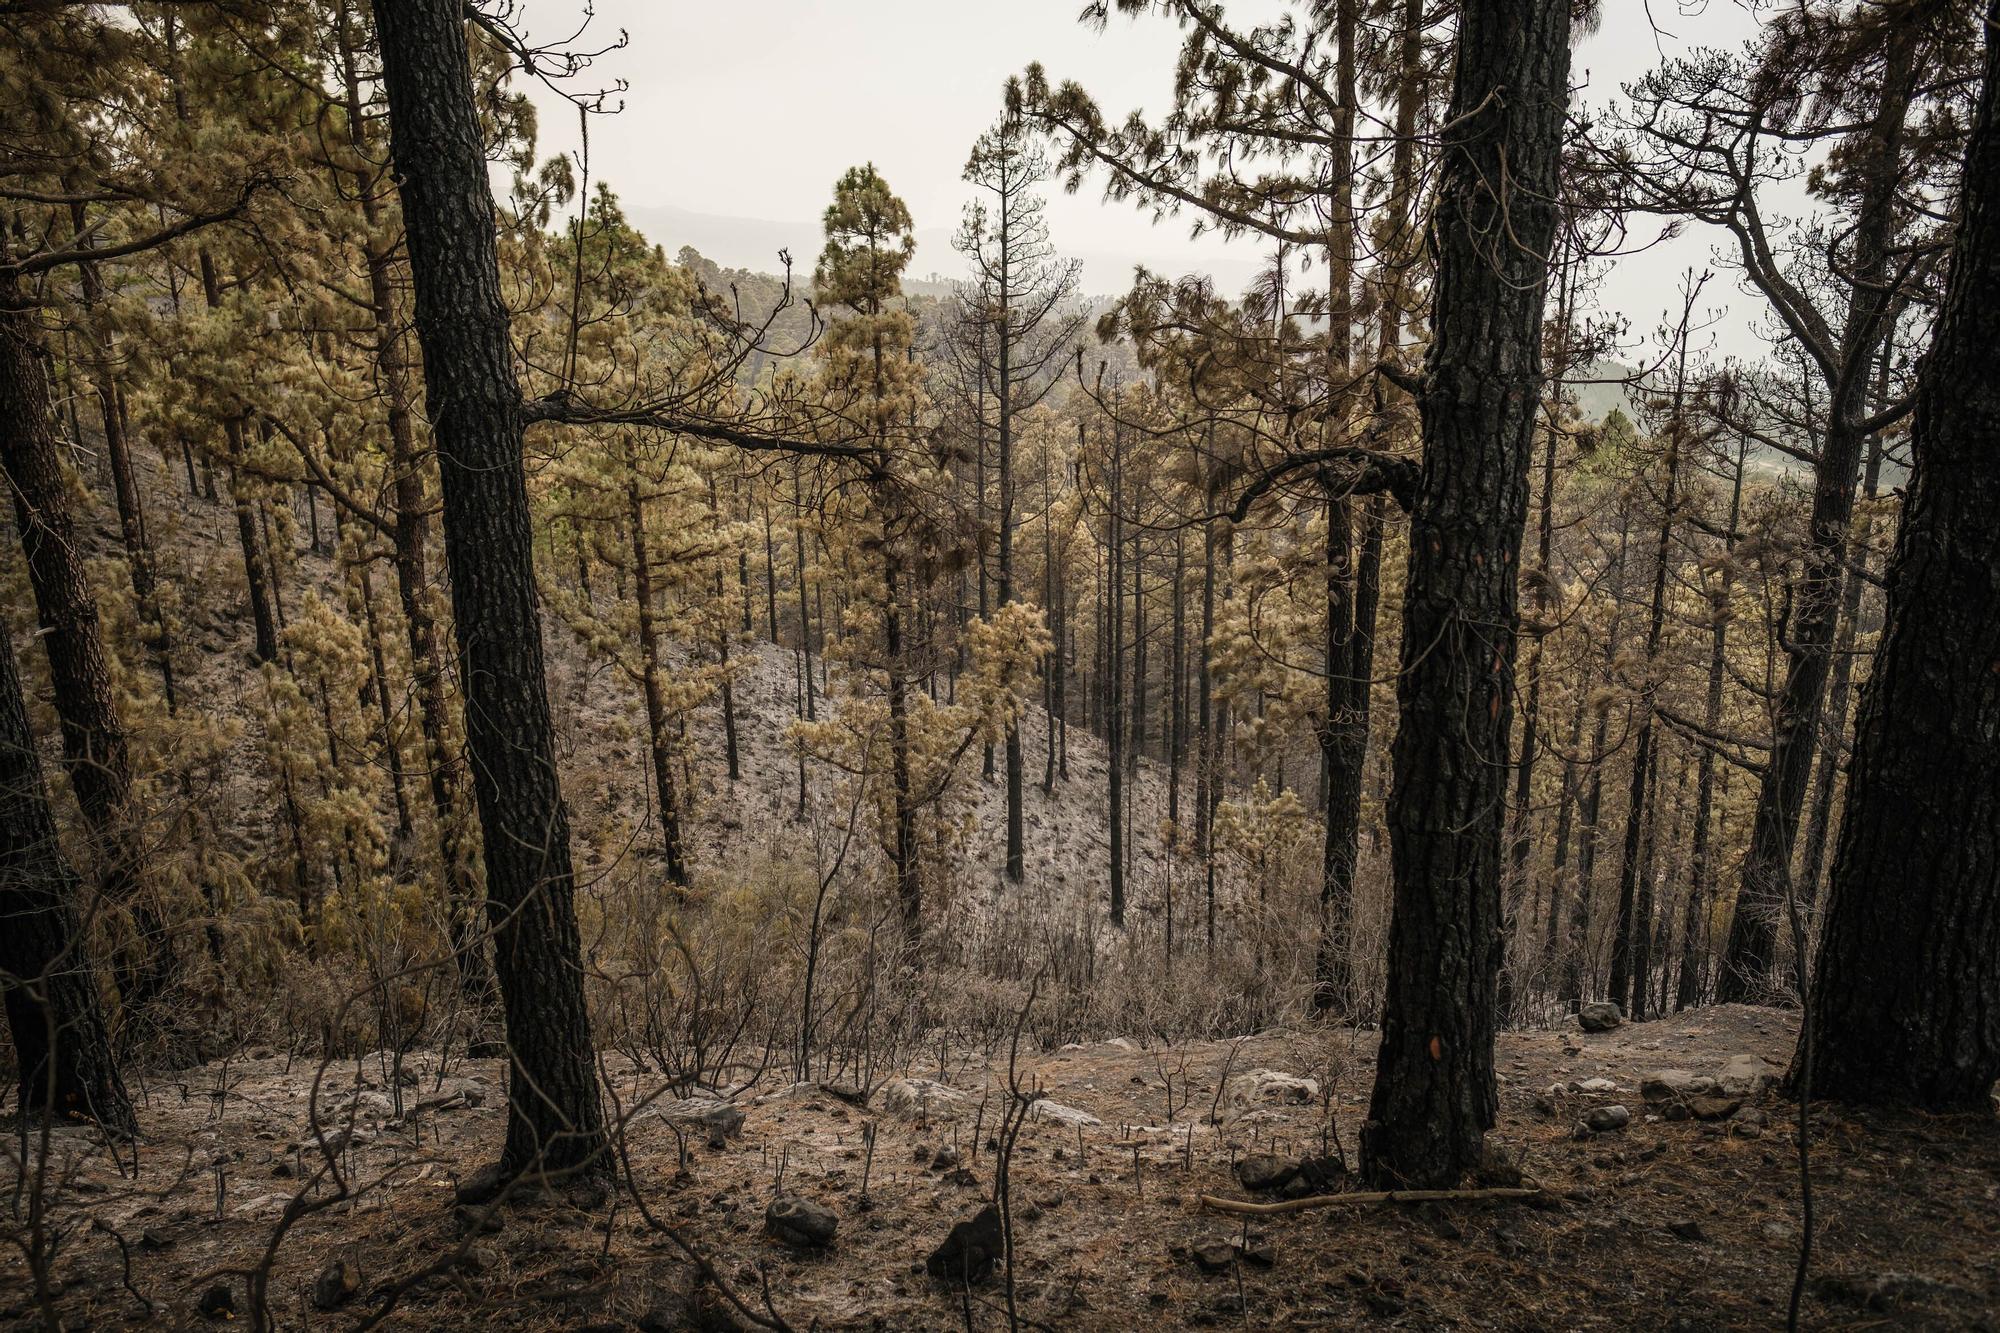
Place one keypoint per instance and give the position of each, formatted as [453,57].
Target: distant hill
[754,243]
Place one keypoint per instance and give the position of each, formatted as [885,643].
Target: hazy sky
[749,110]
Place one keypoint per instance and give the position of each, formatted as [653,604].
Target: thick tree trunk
[61,1047]
[555,1118]
[1905,1001]
[1434,1094]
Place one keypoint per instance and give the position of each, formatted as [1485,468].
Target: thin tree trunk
[1701,873]
[1752,949]
[659,727]
[1626,936]
[1114,747]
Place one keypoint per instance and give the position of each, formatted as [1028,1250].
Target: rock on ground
[801,1223]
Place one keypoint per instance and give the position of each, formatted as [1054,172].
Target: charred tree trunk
[1434,1095]
[555,1118]
[1905,1001]
[61,1047]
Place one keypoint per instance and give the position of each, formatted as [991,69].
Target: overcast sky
[741,113]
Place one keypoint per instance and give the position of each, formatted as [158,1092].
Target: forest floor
[1664,1223]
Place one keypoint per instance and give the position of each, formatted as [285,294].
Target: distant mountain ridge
[754,244]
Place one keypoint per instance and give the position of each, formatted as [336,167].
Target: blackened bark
[61,1047]
[555,1119]
[1434,1094]
[1905,1001]
[1341,756]
[1204,769]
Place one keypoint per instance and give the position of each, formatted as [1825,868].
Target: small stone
[1599,1016]
[1215,1257]
[1261,1171]
[970,1250]
[1687,1229]
[800,1223]
[1596,1087]
[1715,1108]
[1750,1116]
[916,1098]
[944,1158]
[1044,1109]
[1604,1119]
[1258,1256]
[218,1302]
[1669,1087]
[1746,1075]
[335,1285]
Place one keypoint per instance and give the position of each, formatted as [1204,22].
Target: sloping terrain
[1665,1223]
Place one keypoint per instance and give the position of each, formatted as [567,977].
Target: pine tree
[555,1119]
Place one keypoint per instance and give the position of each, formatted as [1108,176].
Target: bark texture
[1434,1094]
[555,1118]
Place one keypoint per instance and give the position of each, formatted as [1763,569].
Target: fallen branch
[1379,1196]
